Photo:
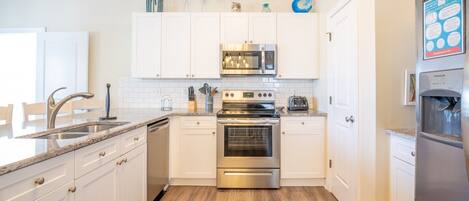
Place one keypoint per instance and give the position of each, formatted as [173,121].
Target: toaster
[298,103]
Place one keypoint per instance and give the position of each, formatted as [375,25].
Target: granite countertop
[311,113]
[17,152]
[403,132]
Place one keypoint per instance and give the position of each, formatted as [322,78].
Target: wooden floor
[192,193]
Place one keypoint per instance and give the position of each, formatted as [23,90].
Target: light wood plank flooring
[193,193]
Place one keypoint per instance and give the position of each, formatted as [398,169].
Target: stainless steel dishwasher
[157,159]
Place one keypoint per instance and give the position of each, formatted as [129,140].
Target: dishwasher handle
[157,125]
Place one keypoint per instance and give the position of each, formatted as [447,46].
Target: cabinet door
[302,147]
[205,45]
[176,45]
[63,193]
[297,43]
[402,180]
[234,27]
[146,45]
[133,175]
[263,28]
[99,185]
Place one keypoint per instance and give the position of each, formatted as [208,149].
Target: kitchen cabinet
[205,45]
[248,27]
[64,193]
[263,28]
[175,51]
[146,45]
[302,147]
[100,184]
[39,180]
[234,27]
[121,179]
[402,168]
[297,45]
[132,177]
[193,148]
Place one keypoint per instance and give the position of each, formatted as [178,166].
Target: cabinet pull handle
[72,189]
[412,153]
[102,154]
[283,133]
[136,139]
[39,181]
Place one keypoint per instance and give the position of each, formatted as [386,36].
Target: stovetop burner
[248,104]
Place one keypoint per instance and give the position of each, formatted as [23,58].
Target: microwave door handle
[263,60]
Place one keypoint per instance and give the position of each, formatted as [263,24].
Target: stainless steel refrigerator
[442,159]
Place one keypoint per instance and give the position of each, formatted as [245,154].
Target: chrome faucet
[53,108]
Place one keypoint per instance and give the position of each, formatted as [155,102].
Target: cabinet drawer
[303,125]
[198,122]
[33,182]
[403,149]
[94,156]
[133,139]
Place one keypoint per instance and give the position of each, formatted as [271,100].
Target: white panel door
[263,28]
[297,44]
[100,184]
[343,127]
[402,181]
[205,45]
[133,175]
[146,45]
[234,27]
[176,49]
[197,153]
[62,62]
[63,193]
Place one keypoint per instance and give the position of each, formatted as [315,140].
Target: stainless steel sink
[58,136]
[77,131]
[95,127]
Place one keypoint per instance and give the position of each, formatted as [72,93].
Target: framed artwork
[443,28]
[410,91]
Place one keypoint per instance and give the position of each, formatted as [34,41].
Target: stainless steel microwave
[248,59]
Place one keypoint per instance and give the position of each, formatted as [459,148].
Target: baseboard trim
[302,182]
[193,182]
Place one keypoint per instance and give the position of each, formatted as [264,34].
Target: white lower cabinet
[402,169]
[64,193]
[132,175]
[100,184]
[193,149]
[302,147]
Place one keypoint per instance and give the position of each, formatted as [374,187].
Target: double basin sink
[79,130]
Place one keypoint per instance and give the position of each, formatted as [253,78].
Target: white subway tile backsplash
[148,93]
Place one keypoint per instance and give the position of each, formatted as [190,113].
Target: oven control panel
[254,95]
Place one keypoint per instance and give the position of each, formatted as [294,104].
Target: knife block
[192,106]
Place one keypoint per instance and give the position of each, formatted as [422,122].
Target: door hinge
[330,100]
[330,163]
[329,36]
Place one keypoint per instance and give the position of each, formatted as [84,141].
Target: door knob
[350,119]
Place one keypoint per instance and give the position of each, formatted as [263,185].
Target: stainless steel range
[248,144]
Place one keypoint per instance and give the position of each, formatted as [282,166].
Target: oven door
[248,143]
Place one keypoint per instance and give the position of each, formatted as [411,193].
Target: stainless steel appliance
[248,59]
[157,159]
[442,158]
[298,103]
[248,144]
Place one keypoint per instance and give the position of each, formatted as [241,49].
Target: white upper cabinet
[234,27]
[297,44]
[146,45]
[175,52]
[263,28]
[205,45]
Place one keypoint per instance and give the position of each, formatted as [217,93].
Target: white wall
[395,51]
[109,24]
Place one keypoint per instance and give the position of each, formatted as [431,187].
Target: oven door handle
[249,122]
